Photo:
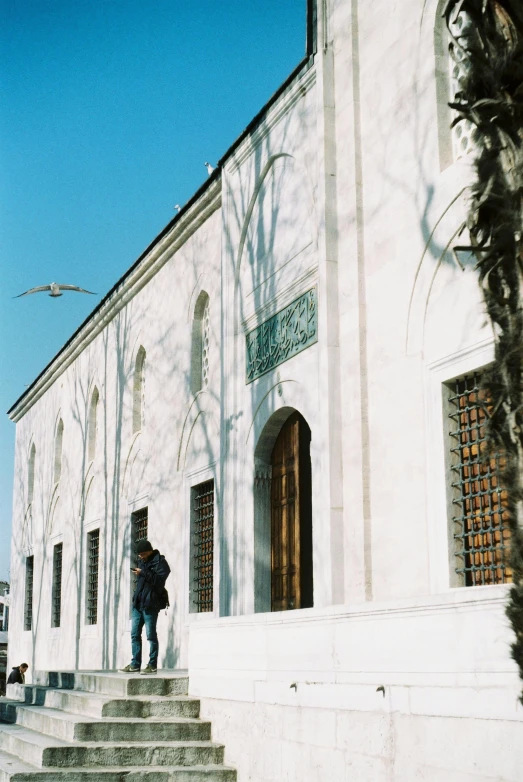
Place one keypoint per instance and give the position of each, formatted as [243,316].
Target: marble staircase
[89,726]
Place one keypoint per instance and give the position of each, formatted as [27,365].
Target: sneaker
[130,669]
[148,670]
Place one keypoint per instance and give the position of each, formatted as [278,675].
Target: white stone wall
[129,470]
[270,256]
[299,698]
[405,304]
[186,437]
[274,743]
[409,319]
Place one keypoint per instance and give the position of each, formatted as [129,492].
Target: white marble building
[337,591]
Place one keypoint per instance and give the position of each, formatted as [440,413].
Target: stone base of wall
[275,743]
[418,690]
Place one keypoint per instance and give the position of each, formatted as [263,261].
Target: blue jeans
[139,619]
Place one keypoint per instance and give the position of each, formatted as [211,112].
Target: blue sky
[108,110]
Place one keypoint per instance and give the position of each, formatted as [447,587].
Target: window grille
[31,475]
[480,518]
[200,344]
[28,609]
[57,586]
[202,546]
[92,426]
[463,133]
[205,346]
[93,552]
[138,390]
[139,529]
[57,467]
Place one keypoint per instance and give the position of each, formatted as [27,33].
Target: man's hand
[137,571]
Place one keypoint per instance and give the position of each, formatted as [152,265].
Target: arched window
[200,344]
[31,474]
[92,426]
[138,390]
[57,465]
[443,93]
[458,141]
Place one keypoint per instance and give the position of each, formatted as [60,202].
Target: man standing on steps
[150,596]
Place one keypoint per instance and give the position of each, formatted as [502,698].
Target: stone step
[116,683]
[94,705]
[43,751]
[12,769]
[74,727]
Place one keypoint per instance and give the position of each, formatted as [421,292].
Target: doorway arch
[283,514]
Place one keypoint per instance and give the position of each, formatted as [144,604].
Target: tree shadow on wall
[91,488]
[265,254]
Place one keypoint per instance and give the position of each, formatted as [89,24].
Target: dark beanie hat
[142,546]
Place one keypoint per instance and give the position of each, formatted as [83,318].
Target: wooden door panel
[285,526]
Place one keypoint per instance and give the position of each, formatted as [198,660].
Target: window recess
[57,586]
[139,531]
[93,555]
[202,547]
[479,515]
[28,606]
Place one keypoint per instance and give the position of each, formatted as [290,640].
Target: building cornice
[205,202]
[302,83]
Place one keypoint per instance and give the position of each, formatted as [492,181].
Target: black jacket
[16,677]
[151,582]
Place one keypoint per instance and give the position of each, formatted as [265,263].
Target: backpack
[163,599]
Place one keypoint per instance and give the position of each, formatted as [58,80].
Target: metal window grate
[205,346]
[139,531]
[28,608]
[57,586]
[203,546]
[481,532]
[139,522]
[463,132]
[93,551]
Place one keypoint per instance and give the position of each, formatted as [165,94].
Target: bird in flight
[55,290]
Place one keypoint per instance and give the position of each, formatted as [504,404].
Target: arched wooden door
[291,517]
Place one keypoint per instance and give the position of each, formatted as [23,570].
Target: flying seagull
[177,207]
[209,168]
[55,289]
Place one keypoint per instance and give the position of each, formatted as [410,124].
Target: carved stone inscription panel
[284,335]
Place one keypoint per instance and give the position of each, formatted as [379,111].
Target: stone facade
[347,185]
